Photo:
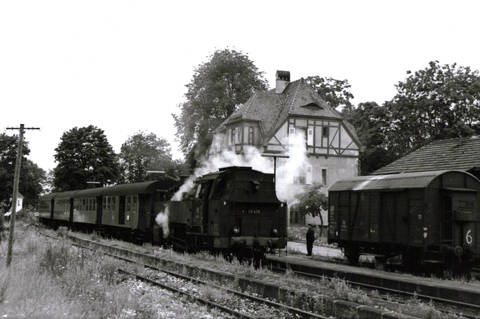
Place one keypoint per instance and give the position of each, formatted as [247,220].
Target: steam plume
[162,220]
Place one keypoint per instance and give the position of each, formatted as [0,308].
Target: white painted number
[468,237]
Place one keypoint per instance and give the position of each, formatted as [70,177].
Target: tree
[228,79]
[32,179]
[372,123]
[438,102]
[312,201]
[31,176]
[335,92]
[83,155]
[143,152]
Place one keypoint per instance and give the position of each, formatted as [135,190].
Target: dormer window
[312,106]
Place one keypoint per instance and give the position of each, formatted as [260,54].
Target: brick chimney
[283,78]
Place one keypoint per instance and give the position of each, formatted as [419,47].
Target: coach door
[121,211]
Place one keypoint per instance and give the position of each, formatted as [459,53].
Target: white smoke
[287,168]
[251,157]
[162,220]
[290,168]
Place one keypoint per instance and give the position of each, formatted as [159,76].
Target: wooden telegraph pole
[16,180]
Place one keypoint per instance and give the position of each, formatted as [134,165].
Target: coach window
[129,203]
[134,203]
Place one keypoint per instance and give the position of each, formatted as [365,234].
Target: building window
[291,135]
[324,176]
[304,176]
[309,176]
[250,135]
[236,134]
[325,131]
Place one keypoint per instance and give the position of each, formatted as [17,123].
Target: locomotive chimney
[283,78]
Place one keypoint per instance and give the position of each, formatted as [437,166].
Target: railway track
[336,305]
[454,305]
[250,303]
[277,308]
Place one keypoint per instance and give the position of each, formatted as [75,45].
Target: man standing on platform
[310,239]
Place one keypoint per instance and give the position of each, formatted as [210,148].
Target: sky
[122,66]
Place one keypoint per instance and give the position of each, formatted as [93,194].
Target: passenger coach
[125,210]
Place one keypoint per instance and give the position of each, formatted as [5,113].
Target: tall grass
[53,280]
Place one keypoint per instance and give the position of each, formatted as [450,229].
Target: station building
[271,121]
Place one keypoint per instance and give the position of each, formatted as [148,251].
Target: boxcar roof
[392,182]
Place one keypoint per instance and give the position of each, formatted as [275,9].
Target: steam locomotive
[232,211]
[430,219]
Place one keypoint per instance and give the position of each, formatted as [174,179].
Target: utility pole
[16,180]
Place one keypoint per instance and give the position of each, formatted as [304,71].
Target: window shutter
[310,137]
[309,175]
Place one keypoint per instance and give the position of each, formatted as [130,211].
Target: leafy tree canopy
[372,123]
[32,179]
[438,102]
[226,80]
[335,92]
[83,155]
[312,201]
[31,176]
[144,152]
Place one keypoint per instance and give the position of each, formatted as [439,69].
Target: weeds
[62,231]
[3,288]
[415,307]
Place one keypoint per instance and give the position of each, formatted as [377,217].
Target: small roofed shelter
[19,205]
[450,154]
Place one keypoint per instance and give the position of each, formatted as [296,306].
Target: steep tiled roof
[451,154]
[272,109]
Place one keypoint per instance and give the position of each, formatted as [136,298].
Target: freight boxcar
[427,218]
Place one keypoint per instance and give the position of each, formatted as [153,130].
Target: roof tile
[450,154]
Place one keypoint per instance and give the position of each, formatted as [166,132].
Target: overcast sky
[123,65]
